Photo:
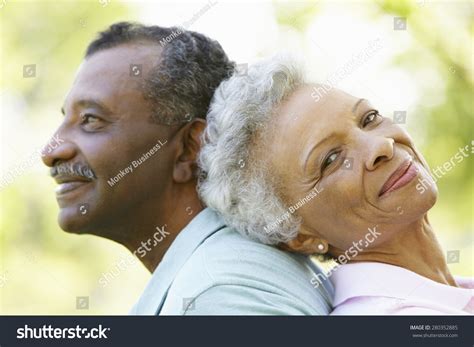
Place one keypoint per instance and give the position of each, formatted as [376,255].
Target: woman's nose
[380,149]
[57,149]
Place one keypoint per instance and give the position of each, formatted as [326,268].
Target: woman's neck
[415,249]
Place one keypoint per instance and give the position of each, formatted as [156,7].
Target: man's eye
[371,117]
[88,118]
[330,159]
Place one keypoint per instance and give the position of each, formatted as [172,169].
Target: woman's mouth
[401,177]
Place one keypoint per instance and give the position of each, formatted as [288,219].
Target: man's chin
[73,221]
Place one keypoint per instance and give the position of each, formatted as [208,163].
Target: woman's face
[365,167]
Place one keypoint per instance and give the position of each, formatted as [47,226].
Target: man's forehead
[115,72]
[131,61]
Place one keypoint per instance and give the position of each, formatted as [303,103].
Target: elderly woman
[315,170]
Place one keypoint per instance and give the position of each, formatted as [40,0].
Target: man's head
[132,123]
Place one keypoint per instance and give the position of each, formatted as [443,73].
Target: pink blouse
[370,288]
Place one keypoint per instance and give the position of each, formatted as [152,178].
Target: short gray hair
[185,75]
[234,180]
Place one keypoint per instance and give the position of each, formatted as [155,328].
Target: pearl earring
[321,247]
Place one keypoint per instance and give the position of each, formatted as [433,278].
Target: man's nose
[57,149]
[379,149]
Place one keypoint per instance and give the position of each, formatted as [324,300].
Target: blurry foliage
[444,44]
[48,268]
[296,14]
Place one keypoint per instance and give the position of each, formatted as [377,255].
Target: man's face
[107,128]
[353,156]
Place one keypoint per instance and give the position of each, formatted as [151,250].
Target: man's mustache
[73,169]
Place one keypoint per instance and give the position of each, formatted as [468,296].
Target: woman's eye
[329,160]
[371,117]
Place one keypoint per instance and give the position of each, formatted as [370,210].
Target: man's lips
[400,177]
[69,183]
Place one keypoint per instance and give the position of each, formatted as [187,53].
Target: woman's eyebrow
[313,148]
[354,109]
[357,104]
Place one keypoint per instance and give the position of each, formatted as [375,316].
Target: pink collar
[384,280]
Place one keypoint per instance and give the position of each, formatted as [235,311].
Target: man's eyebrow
[92,103]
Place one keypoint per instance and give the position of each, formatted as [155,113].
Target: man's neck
[154,227]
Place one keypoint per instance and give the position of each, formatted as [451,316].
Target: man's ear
[189,145]
[307,243]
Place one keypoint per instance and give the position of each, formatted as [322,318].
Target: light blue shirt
[210,269]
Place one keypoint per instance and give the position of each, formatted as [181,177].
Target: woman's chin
[414,198]
[417,205]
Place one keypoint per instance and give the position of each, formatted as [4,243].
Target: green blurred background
[425,69]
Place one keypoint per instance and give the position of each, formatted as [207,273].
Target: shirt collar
[379,279]
[188,240]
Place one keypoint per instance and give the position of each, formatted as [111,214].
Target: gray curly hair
[234,178]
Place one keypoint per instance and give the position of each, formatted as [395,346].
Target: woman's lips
[67,187]
[401,177]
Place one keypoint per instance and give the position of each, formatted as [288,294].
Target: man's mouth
[69,183]
[403,175]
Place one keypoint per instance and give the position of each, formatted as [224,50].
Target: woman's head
[284,165]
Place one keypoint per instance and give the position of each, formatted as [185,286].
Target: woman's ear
[188,150]
[307,243]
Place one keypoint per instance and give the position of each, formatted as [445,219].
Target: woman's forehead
[302,108]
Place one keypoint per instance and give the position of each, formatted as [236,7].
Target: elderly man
[126,169]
